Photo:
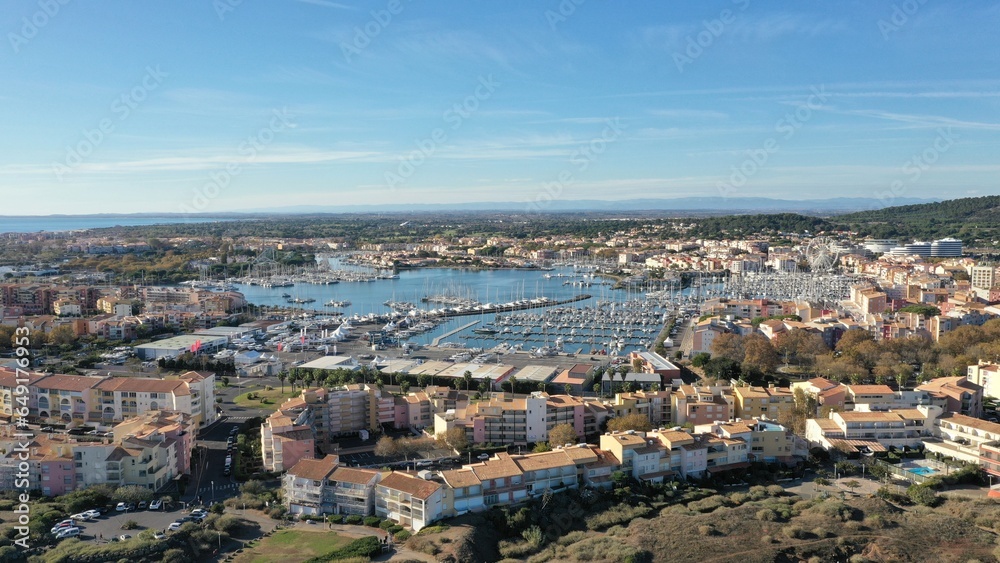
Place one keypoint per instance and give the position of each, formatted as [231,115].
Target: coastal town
[632,360]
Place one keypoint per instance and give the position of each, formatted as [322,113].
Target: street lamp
[213,491]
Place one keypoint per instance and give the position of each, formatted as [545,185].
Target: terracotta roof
[68,382]
[354,476]
[315,469]
[871,389]
[8,378]
[460,478]
[496,468]
[858,416]
[145,385]
[581,455]
[827,424]
[415,486]
[547,460]
[977,423]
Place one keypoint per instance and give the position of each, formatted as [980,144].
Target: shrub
[401,536]
[130,525]
[372,521]
[423,545]
[738,498]
[516,549]
[571,538]
[353,519]
[767,539]
[706,530]
[277,512]
[336,518]
[775,490]
[767,515]
[395,528]
[618,514]
[793,532]
[821,533]
[386,524]
[758,492]
[922,494]
[709,504]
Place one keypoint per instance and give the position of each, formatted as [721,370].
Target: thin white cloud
[688,114]
[327,4]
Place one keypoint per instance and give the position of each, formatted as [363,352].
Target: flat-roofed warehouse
[535,372]
[177,345]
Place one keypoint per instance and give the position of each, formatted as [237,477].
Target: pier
[534,304]
[438,339]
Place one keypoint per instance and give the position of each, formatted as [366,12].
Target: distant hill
[683,205]
[974,220]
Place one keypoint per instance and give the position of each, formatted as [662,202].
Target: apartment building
[762,402]
[851,431]
[306,486]
[354,490]
[701,405]
[983,374]
[955,394]
[287,436]
[75,400]
[409,500]
[655,405]
[122,397]
[163,426]
[49,470]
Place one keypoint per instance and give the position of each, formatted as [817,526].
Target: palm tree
[282,376]
[513,382]
[467,376]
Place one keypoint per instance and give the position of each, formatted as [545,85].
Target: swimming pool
[923,470]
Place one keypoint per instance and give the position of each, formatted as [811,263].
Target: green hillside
[974,220]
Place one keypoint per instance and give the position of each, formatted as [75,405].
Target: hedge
[364,547]
[372,521]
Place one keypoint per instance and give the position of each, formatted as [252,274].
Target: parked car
[199,511]
[120,507]
[143,504]
[81,516]
[130,506]
[91,514]
[156,504]
[174,526]
[62,526]
[124,537]
[70,532]
[483,457]
[48,429]
[159,536]
[227,472]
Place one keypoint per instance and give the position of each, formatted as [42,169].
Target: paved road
[208,480]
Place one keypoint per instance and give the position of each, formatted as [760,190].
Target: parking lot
[109,525]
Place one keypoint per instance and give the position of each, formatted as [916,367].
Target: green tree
[637,422]
[562,434]
[282,376]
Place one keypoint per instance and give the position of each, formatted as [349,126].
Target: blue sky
[227,105]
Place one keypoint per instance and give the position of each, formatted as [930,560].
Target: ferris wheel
[822,254]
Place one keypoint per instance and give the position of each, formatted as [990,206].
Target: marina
[529,310]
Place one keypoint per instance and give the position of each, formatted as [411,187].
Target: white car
[81,516]
[70,532]
[92,514]
[124,537]
[199,512]
[159,536]
[120,507]
[156,504]
[174,526]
